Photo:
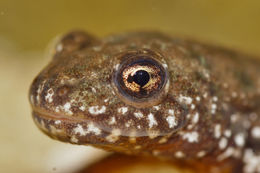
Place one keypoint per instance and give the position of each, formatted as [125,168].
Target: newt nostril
[63,91]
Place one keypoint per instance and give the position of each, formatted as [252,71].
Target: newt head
[127,92]
[147,93]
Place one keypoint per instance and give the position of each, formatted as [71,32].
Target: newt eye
[140,78]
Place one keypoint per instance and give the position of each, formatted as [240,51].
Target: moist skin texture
[205,114]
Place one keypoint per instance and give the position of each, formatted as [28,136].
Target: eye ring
[140,79]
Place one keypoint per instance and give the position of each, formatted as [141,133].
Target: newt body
[146,93]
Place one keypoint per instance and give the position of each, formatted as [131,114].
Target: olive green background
[27,26]
[32,23]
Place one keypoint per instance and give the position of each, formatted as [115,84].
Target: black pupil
[140,77]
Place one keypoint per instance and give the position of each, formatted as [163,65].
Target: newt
[147,93]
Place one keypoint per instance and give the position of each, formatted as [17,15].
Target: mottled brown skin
[206,114]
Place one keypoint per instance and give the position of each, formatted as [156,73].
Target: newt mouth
[69,129]
[39,113]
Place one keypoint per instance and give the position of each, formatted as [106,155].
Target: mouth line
[43,114]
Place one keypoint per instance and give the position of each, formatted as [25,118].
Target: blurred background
[27,26]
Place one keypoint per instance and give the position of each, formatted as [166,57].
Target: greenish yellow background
[27,26]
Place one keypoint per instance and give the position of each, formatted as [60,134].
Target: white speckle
[93,90]
[132,136]
[97,48]
[139,127]
[205,95]
[122,110]
[74,139]
[156,152]
[201,154]
[57,109]
[66,108]
[171,112]
[152,121]
[137,147]
[179,154]
[83,108]
[156,107]
[114,136]
[113,92]
[198,98]
[70,80]
[94,129]
[213,108]
[195,118]
[227,153]
[163,140]
[190,126]
[207,75]
[252,161]
[32,99]
[171,121]
[153,134]
[91,128]
[93,74]
[116,67]
[217,131]
[57,122]
[234,94]
[106,100]
[39,90]
[187,100]
[128,123]
[227,133]
[79,129]
[167,86]
[234,118]
[49,95]
[54,130]
[192,106]
[239,139]
[138,115]
[222,143]
[95,110]
[112,121]
[255,132]
[215,99]
[191,137]
[225,85]
[165,65]
[59,48]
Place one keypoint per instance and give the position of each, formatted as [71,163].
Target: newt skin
[208,112]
